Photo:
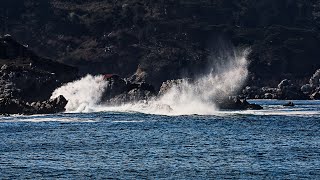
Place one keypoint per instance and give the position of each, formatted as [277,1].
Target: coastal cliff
[163,40]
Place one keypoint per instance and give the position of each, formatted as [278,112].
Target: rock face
[290,91]
[120,91]
[27,81]
[170,39]
[315,79]
[25,76]
[285,90]
[313,88]
[16,106]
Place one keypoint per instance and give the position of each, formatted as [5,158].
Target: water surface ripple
[276,143]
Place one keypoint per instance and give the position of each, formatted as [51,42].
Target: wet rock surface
[235,103]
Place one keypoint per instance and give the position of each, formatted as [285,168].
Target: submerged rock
[290,104]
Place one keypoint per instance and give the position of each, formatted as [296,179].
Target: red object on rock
[110,76]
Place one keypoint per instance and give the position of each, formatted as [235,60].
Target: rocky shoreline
[27,82]
[160,41]
[286,90]
[18,106]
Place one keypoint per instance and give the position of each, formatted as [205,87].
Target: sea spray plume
[187,97]
[184,98]
[200,96]
[82,94]
[228,76]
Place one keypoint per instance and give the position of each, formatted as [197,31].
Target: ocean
[275,143]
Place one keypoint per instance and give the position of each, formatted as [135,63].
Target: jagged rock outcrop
[120,91]
[234,103]
[17,106]
[27,77]
[27,80]
[313,88]
[285,90]
[290,91]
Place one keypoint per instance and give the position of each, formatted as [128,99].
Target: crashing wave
[186,97]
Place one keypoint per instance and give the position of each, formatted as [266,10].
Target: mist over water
[225,77]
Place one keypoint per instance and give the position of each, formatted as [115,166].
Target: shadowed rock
[120,91]
[234,103]
[27,80]
[26,76]
[15,106]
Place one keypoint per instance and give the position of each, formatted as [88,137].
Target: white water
[184,99]
[83,95]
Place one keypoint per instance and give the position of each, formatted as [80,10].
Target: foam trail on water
[186,98]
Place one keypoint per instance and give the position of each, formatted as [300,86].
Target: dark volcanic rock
[120,91]
[50,106]
[234,103]
[290,91]
[25,76]
[15,106]
[289,104]
[284,91]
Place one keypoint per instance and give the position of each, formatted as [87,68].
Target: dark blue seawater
[275,143]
